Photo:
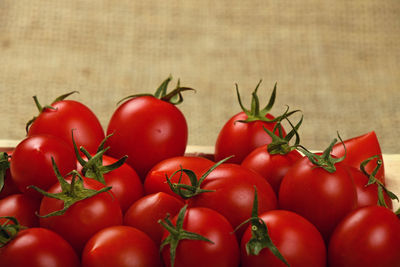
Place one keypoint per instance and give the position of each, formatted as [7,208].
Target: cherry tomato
[298,241]
[145,213]
[31,162]
[222,251]
[367,237]
[156,178]
[120,246]
[320,196]
[65,116]
[125,182]
[148,130]
[38,247]
[22,207]
[82,219]
[272,167]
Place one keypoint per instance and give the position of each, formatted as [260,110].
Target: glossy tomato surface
[299,242]
[367,237]
[21,206]
[145,213]
[321,197]
[120,246]
[223,252]
[271,167]
[31,162]
[38,247]
[82,219]
[66,116]
[240,138]
[148,130]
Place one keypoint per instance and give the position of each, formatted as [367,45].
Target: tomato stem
[9,229]
[4,165]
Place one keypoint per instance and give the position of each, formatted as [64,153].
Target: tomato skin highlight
[70,115]
[31,162]
[38,247]
[82,219]
[299,242]
[212,225]
[148,130]
[321,197]
[272,167]
[145,213]
[367,237]
[121,246]
[240,138]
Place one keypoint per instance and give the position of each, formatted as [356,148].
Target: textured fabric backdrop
[337,61]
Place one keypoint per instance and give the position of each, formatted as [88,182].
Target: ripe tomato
[322,196]
[120,246]
[244,132]
[31,162]
[298,241]
[367,237]
[125,182]
[65,116]
[22,207]
[156,178]
[38,247]
[222,251]
[148,130]
[84,218]
[358,149]
[233,193]
[145,213]
[272,167]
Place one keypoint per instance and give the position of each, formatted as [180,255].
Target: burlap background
[337,61]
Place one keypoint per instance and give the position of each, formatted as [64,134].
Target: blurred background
[337,61]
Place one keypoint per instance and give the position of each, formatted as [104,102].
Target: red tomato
[367,195]
[156,178]
[145,213]
[120,246]
[367,237]
[272,167]
[299,242]
[358,149]
[38,247]
[68,115]
[318,195]
[233,194]
[125,183]
[148,130]
[82,219]
[22,207]
[31,162]
[244,132]
[223,252]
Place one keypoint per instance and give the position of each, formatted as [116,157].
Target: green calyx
[177,233]
[325,161]
[70,192]
[93,167]
[9,229]
[372,180]
[260,238]
[42,108]
[4,165]
[255,113]
[174,97]
[188,191]
[280,144]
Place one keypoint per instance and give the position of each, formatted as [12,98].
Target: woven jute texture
[336,61]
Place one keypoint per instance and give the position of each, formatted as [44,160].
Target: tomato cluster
[75,194]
